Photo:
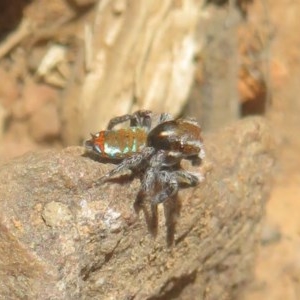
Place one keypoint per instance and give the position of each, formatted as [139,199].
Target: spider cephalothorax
[153,145]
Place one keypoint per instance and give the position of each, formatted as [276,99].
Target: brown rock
[63,237]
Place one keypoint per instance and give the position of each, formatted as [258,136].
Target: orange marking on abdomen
[100,140]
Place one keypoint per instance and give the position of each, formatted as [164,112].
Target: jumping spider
[153,146]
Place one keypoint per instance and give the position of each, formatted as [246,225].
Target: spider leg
[148,185]
[152,174]
[132,162]
[140,118]
[169,184]
[165,117]
[163,158]
[118,120]
[157,119]
[177,156]
[143,118]
[197,159]
[149,177]
[159,159]
[188,178]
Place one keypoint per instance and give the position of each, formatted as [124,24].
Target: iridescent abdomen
[118,144]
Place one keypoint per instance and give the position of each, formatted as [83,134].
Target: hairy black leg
[188,178]
[148,184]
[118,120]
[147,187]
[171,212]
[139,118]
[154,175]
[149,210]
[143,118]
[145,193]
[157,119]
[169,186]
[195,160]
[158,160]
[169,182]
[165,117]
[131,162]
[174,157]
[149,178]
[162,159]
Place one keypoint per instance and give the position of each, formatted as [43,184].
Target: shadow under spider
[103,160]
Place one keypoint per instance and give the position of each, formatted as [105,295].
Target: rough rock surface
[64,237]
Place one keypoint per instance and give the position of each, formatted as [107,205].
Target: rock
[64,237]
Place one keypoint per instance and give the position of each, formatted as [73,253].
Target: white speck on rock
[86,211]
[110,219]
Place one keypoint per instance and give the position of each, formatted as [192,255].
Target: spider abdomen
[118,144]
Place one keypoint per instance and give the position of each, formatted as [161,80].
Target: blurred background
[68,66]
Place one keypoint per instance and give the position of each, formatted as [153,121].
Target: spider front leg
[155,178]
[170,182]
[135,161]
[177,156]
[141,118]
[165,117]
[188,178]
[169,186]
